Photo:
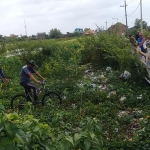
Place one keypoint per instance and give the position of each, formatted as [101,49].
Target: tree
[42,35]
[86,29]
[2,47]
[138,23]
[24,36]
[54,33]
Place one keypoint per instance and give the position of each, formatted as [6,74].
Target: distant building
[13,36]
[78,30]
[89,32]
[118,28]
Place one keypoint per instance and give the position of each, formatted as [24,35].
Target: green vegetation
[99,111]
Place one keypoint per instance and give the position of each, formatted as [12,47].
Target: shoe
[36,102]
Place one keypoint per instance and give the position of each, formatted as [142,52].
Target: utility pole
[106,24]
[125,6]
[25,27]
[101,28]
[141,16]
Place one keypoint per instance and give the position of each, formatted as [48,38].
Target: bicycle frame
[43,88]
[40,90]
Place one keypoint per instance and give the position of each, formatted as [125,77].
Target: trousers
[28,87]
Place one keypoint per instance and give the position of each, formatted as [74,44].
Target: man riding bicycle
[26,74]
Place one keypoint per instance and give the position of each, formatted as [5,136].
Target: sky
[29,17]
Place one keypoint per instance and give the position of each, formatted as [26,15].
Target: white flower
[139,97]
[122,98]
[108,69]
[93,85]
[64,97]
[73,105]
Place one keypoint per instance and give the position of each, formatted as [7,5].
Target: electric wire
[117,12]
[129,1]
[132,1]
[134,10]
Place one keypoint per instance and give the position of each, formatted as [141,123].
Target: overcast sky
[66,15]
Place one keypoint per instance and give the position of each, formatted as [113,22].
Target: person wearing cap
[5,80]
[26,74]
[141,42]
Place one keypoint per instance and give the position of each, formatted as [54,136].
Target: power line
[133,1]
[132,17]
[134,10]
[115,18]
[130,1]
[146,18]
[122,19]
[117,12]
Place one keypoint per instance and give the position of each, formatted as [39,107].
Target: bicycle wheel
[18,102]
[51,99]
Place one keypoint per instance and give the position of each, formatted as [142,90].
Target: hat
[130,35]
[32,62]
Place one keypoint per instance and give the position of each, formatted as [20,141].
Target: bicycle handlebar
[43,82]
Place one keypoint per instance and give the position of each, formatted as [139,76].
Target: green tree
[54,33]
[42,35]
[86,29]
[2,47]
[138,23]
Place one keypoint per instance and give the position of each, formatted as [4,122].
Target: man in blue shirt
[5,80]
[26,75]
[137,36]
[141,41]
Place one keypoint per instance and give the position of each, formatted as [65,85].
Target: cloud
[66,15]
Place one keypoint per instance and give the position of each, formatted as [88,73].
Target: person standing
[141,43]
[137,36]
[5,80]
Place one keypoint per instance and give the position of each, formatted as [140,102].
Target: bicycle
[49,98]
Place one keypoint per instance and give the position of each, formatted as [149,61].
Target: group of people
[138,44]
[25,75]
